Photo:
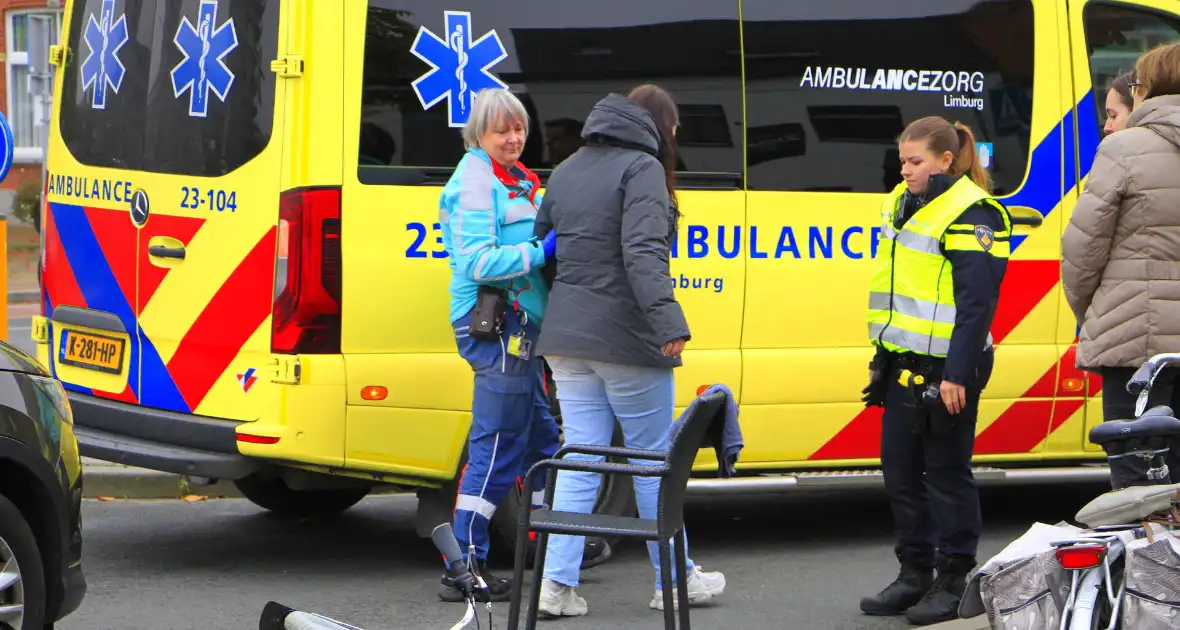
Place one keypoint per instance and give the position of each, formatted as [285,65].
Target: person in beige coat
[1121,250]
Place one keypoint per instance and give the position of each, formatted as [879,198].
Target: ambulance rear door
[172,105]
[1106,39]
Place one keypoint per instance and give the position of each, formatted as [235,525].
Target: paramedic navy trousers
[932,492]
[511,428]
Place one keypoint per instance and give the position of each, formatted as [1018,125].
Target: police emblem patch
[986,237]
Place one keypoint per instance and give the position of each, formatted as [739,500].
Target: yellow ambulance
[244,276]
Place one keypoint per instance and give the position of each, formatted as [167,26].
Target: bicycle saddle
[1155,422]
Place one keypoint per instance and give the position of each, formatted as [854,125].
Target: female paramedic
[943,254]
[498,297]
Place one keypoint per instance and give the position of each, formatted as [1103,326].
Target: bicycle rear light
[1081,556]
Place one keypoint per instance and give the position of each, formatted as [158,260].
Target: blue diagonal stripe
[154,387]
[1056,166]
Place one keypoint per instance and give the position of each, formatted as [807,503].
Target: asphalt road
[800,561]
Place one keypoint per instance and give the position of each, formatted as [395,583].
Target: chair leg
[682,579]
[666,583]
[538,576]
[522,544]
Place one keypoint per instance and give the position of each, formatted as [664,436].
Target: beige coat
[1121,251]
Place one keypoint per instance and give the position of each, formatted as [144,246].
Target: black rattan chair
[674,470]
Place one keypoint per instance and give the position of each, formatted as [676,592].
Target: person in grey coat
[613,329]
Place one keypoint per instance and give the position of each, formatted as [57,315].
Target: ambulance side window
[146,101]
[1116,36]
[831,84]
[560,58]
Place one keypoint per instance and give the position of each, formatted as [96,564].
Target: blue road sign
[203,68]
[102,66]
[459,67]
[6,143]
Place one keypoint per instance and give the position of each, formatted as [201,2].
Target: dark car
[40,497]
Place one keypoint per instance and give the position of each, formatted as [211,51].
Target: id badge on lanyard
[518,345]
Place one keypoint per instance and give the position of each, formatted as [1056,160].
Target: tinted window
[831,84]
[160,115]
[1116,36]
[560,58]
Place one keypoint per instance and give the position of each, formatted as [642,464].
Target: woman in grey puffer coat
[613,330]
[1121,251]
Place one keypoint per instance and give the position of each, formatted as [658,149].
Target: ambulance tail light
[306,316]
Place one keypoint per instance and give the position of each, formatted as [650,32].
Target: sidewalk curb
[121,482]
[24,297]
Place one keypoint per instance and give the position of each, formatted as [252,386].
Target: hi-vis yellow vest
[912,294]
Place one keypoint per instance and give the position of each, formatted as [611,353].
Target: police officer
[945,245]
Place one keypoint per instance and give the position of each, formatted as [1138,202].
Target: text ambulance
[244,276]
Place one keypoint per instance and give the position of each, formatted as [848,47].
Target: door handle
[166,252]
[1030,217]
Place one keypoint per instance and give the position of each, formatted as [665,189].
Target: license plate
[93,352]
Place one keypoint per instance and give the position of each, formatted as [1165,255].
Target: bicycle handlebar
[1147,372]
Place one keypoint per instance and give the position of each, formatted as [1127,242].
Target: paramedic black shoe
[941,602]
[500,589]
[597,551]
[905,591]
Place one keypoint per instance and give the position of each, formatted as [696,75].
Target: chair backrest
[682,452]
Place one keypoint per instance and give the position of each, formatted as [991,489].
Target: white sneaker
[701,588]
[559,600]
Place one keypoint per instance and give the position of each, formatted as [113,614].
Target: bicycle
[276,616]
[1066,578]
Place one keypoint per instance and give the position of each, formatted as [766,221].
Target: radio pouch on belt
[487,318]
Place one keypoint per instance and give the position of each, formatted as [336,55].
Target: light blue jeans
[592,395]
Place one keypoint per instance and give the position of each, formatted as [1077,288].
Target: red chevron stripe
[1016,430]
[234,313]
[57,277]
[117,238]
[1026,283]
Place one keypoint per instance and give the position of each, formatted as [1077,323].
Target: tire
[20,557]
[273,494]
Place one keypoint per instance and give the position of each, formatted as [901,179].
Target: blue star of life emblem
[203,68]
[459,67]
[102,66]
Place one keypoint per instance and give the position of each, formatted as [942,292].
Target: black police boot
[905,591]
[941,602]
[597,551]
[499,589]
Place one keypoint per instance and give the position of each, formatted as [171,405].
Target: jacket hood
[1161,115]
[620,119]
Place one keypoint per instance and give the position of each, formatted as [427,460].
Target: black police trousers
[932,492]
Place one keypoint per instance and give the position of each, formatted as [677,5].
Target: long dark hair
[1122,86]
[662,108]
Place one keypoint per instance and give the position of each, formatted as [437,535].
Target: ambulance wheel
[272,493]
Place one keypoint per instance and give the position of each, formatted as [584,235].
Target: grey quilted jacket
[1121,250]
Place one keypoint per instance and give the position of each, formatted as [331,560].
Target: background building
[15,100]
